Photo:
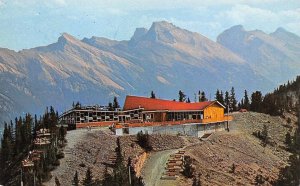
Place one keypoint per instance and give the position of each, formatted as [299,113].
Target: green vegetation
[76,179]
[232,168]
[144,140]
[181,96]
[122,175]
[263,135]
[116,103]
[188,169]
[219,96]
[152,95]
[290,175]
[288,139]
[196,181]
[17,143]
[88,180]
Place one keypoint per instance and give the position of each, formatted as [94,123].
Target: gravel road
[155,166]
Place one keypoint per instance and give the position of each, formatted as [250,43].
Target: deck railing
[139,123]
[165,123]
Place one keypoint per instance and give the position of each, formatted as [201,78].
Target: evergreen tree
[144,140]
[203,97]
[107,178]
[290,174]
[241,105]
[218,96]
[181,96]
[188,170]
[232,100]
[246,104]
[256,104]
[152,95]
[6,146]
[115,103]
[88,180]
[199,96]
[288,139]
[197,182]
[57,183]
[110,106]
[120,171]
[78,105]
[264,135]
[62,134]
[76,179]
[226,101]
[221,98]
[269,105]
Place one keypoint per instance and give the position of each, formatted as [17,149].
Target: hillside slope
[214,158]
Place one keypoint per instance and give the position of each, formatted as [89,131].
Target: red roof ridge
[151,104]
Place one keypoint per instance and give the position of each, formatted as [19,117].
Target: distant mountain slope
[180,59]
[164,59]
[275,56]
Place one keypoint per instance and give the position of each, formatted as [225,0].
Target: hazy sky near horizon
[31,23]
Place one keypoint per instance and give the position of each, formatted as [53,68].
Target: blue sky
[31,23]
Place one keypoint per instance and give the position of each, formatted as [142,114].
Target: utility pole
[228,118]
[33,178]
[129,174]
[21,177]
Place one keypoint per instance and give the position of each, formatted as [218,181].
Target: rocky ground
[213,159]
[84,149]
[93,149]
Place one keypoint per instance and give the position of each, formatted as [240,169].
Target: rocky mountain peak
[232,36]
[162,31]
[283,34]
[159,25]
[65,37]
[139,32]
[280,30]
[237,28]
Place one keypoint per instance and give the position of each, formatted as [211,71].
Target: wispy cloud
[117,19]
[259,18]
[60,2]
[240,14]
[1,3]
[116,11]
[167,4]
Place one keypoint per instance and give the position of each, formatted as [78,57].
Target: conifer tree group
[122,175]
[17,142]
[290,175]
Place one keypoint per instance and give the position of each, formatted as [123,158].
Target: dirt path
[155,166]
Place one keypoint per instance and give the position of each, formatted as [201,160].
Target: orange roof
[150,104]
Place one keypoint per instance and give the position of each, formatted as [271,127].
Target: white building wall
[197,130]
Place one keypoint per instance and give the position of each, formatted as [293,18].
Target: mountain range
[164,59]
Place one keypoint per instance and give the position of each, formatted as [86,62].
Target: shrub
[60,155]
[144,141]
[232,170]
[259,179]
[188,170]
[82,165]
